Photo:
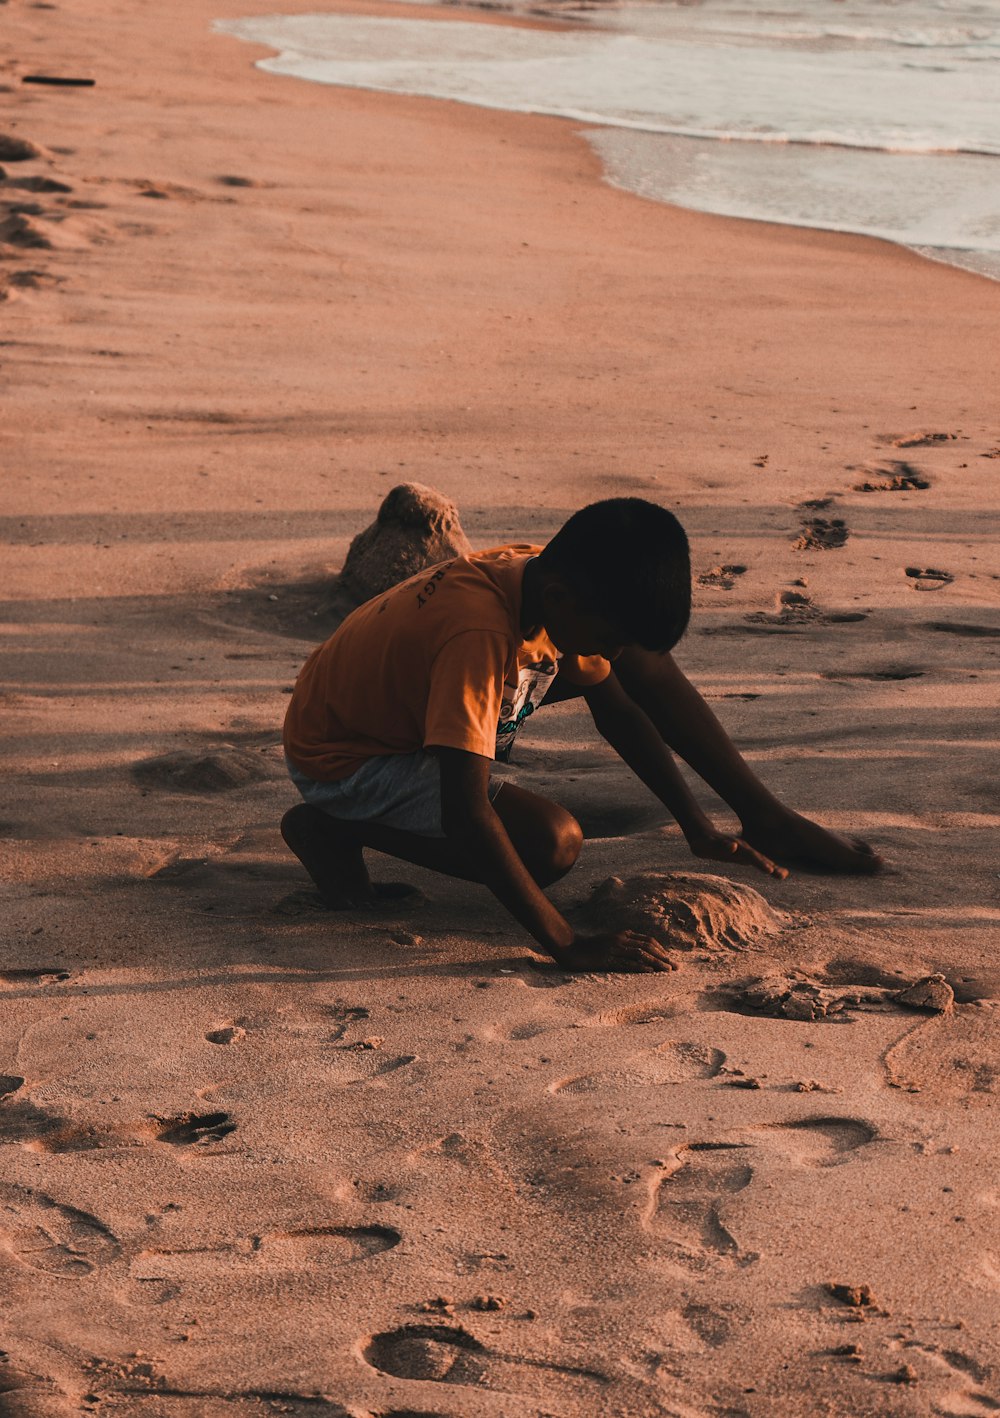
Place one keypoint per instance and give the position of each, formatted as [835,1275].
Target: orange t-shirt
[437,661]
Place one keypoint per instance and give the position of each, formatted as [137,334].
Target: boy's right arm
[471,824]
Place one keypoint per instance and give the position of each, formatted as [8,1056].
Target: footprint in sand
[45,1235]
[226,1034]
[950,1057]
[712,1324]
[821,534]
[882,672]
[331,1245]
[891,476]
[675,1061]
[344,1016]
[687,1205]
[362,1062]
[449,1354]
[963,1373]
[162,191]
[723,578]
[820,1142]
[194,1129]
[794,609]
[791,607]
[40,975]
[470,1152]
[920,440]
[311,1248]
[653,1012]
[926,578]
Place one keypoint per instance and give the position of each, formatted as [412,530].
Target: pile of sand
[415,527]
[684,910]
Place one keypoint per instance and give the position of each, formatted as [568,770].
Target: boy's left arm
[631,734]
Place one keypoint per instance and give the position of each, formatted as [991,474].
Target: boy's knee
[567,840]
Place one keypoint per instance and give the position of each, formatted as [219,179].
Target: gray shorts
[399,790]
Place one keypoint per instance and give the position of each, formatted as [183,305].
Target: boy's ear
[557,595]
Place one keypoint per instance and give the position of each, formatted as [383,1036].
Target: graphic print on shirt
[522,699]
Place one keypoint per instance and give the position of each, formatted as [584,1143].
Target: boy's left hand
[716,846]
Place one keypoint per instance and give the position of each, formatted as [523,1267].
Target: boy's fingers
[646,961]
[650,948]
[637,966]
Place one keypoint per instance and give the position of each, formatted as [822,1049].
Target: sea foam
[886,123]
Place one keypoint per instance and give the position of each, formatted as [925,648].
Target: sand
[255,1159]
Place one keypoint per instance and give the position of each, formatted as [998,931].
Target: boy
[394,721]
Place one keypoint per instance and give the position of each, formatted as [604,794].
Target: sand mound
[17,149]
[184,771]
[795,997]
[684,910]
[788,997]
[32,227]
[415,527]
[41,184]
[21,229]
[932,993]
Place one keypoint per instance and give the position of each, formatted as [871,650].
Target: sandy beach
[258,1158]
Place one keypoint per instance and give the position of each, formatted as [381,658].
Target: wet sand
[252,1155]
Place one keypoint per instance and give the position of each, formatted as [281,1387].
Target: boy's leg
[545,836]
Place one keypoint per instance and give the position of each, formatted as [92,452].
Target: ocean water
[873,116]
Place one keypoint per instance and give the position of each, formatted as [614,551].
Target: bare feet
[716,846]
[335,862]
[790,837]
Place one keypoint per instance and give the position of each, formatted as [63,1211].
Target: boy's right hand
[623,951]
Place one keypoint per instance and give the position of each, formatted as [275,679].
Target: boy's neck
[531,599]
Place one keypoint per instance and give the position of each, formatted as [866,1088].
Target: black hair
[627,559]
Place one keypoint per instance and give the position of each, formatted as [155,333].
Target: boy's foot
[790,837]
[335,862]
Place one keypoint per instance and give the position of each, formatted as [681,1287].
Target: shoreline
[982,263]
[365,1166]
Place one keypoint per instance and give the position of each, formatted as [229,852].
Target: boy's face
[575,629]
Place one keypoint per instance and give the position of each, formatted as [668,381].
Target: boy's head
[617,573]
